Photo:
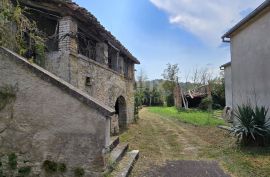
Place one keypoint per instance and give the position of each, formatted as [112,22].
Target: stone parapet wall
[50,119]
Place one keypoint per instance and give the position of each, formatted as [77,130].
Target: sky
[183,32]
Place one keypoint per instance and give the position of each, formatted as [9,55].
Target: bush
[7,95]
[170,100]
[79,172]
[252,125]
[62,168]
[12,161]
[24,171]
[50,166]
[205,103]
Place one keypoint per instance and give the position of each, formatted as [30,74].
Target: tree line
[161,92]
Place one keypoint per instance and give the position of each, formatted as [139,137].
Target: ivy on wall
[19,33]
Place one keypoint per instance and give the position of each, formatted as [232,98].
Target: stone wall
[107,85]
[50,119]
[103,83]
[228,85]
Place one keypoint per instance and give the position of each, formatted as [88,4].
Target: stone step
[118,152]
[114,142]
[125,166]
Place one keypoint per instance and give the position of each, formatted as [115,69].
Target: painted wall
[47,122]
[250,50]
[228,85]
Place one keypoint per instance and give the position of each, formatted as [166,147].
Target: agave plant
[252,125]
[245,123]
[262,122]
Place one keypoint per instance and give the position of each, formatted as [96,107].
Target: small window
[88,81]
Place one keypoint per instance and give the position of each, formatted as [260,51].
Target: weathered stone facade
[106,76]
[50,119]
[63,112]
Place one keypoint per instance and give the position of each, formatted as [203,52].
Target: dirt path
[162,141]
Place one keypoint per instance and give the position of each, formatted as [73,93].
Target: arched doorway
[121,111]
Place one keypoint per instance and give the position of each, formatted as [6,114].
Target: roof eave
[73,7]
[225,65]
[253,14]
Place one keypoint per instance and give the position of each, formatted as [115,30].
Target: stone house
[247,75]
[64,108]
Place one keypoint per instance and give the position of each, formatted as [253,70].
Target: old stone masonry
[58,118]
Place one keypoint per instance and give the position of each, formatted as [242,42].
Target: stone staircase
[121,160]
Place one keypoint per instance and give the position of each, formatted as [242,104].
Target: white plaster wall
[228,85]
[250,50]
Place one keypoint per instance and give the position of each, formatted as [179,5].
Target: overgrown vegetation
[12,161]
[79,172]
[252,125]
[218,92]
[19,33]
[11,167]
[192,116]
[49,166]
[171,77]
[62,168]
[7,95]
[52,167]
[206,103]
[24,171]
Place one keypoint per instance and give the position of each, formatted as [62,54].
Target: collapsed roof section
[61,8]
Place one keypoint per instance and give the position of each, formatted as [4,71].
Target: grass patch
[161,138]
[192,116]
[239,161]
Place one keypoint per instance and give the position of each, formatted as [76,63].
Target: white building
[247,76]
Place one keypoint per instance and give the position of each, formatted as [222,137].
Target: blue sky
[186,32]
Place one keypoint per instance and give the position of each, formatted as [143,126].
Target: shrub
[62,168]
[49,166]
[79,172]
[205,103]
[252,125]
[12,161]
[170,100]
[7,95]
[24,171]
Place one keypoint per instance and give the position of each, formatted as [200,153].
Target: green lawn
[191,116]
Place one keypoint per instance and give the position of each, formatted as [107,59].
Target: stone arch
[121,111]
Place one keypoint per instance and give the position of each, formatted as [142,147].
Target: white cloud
[207,19]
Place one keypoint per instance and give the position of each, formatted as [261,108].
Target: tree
[139,94]
[156,97]
[142,77]
[171,77]
[218,91]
